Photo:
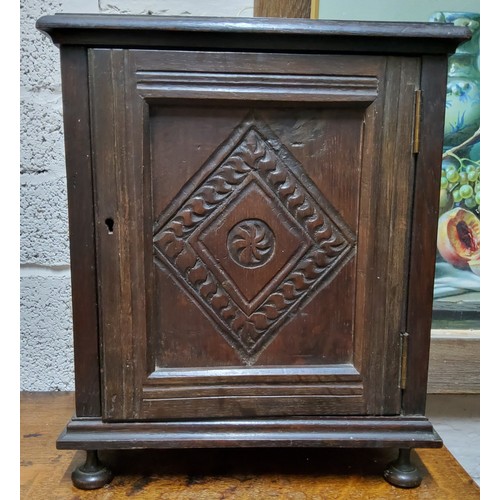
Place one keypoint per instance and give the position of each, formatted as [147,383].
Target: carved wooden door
[252,226]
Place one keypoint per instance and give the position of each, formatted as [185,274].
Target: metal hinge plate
[417,119]
[404,359]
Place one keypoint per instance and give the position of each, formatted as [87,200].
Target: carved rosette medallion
[250,272]
[250,243]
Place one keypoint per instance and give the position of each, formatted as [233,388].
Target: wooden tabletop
[221,474]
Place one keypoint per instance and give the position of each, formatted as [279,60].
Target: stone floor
[456,419]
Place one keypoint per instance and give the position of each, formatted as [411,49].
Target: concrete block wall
[46,328]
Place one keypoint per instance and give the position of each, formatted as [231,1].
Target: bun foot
[402,472]
[92,474]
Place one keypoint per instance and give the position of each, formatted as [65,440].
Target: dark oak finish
[187,220]
[402,472]
[258,231]
[243,34]
[75,92]
[282,8]
[384,232]
[217,473]
[92,475]
[425,217]
[344,432]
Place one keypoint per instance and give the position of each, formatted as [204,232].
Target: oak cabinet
[253,206]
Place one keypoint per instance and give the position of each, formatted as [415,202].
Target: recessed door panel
[251,239]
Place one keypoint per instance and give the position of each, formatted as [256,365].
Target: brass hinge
[404,359]
[416,122]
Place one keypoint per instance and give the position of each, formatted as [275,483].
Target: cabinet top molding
[298,35]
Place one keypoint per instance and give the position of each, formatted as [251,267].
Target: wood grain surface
[251,33]
[425,217]
[82,230]
[311,186]
[454,362]
[300,235]
[221,474]
[283,8]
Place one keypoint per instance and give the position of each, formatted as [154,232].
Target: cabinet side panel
[81,228]
[424,228]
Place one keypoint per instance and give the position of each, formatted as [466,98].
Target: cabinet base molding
[351,432]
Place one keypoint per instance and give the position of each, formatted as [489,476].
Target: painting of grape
[458,242]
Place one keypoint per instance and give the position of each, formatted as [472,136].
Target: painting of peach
[456,288]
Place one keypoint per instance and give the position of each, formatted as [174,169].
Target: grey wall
[46,337]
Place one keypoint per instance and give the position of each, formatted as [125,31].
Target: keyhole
[109,223]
